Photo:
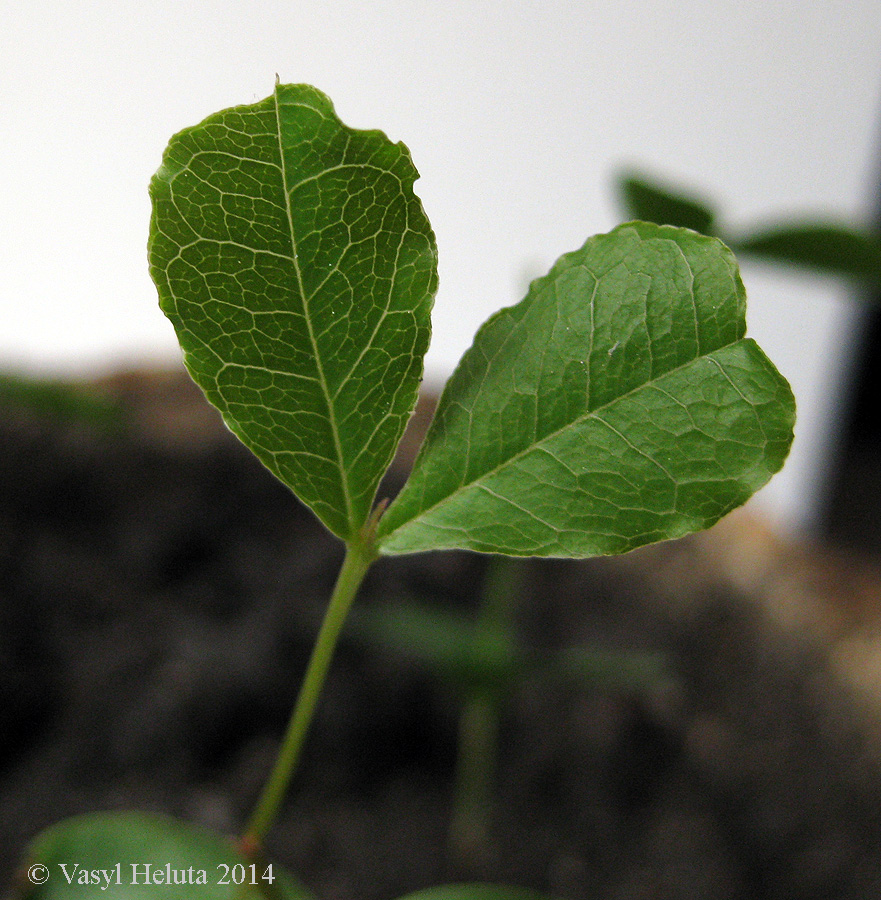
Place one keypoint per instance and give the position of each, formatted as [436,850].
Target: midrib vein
[582,417]
[306,314]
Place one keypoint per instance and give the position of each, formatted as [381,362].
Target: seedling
[618,404]
[482,662]
[813,243]
[460,652]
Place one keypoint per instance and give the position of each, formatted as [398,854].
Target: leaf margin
[345,523]
[386,535]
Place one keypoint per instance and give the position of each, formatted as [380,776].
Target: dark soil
[159,593]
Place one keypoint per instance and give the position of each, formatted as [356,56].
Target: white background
[517,114]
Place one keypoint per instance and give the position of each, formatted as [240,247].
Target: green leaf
[647,200]
[299,270]
[617,405]
[820,246]
[140,855]
[475,892]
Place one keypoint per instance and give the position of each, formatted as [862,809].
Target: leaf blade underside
[299,270]
[617,405]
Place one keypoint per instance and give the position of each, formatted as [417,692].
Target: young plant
[812,243]
[460,652]
[618,404]
[482,662]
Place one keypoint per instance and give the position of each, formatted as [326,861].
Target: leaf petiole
[360,554]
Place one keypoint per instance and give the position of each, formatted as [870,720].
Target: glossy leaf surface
[157,847]
[299,270]
[617,405]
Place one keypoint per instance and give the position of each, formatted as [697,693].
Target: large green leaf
[137,856]
[299,270]
[618,404]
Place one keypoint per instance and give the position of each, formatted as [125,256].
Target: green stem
[359,556]
[475,774]
[479,724]
[501,592]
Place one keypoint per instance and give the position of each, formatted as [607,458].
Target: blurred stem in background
[469,837]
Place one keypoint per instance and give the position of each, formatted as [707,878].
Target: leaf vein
[309,326]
